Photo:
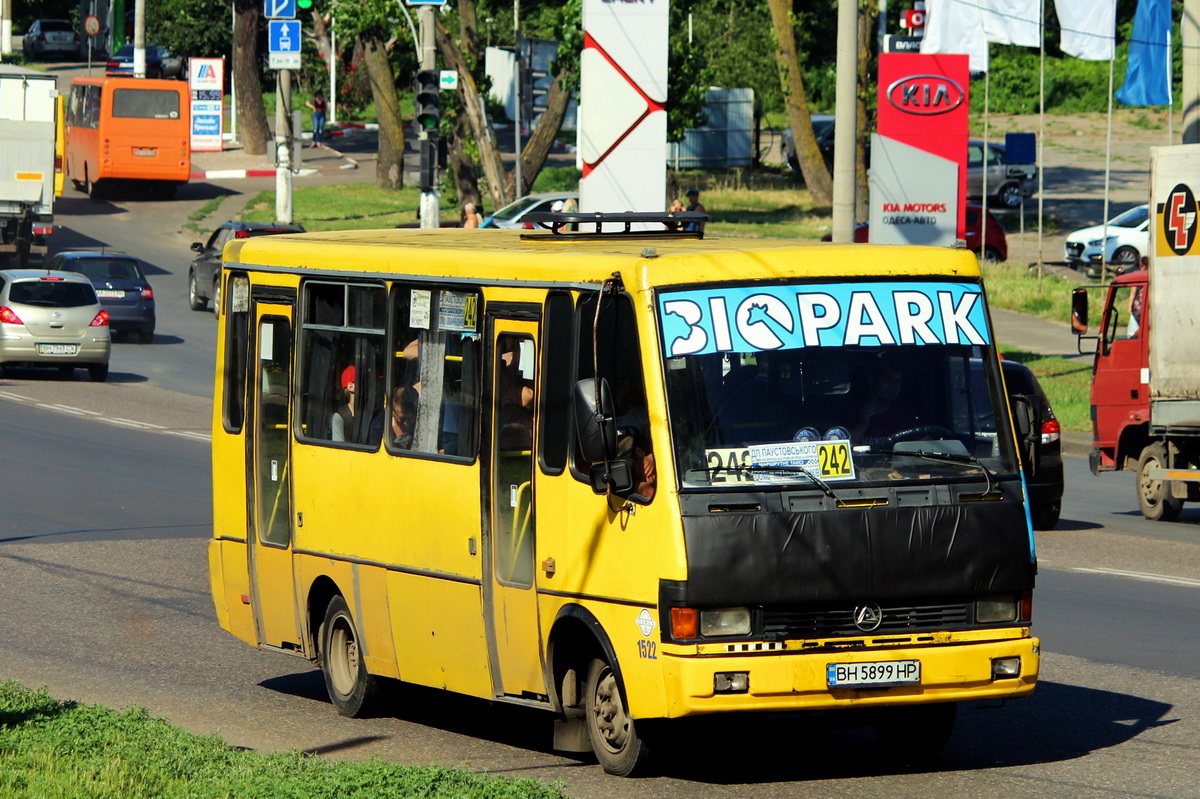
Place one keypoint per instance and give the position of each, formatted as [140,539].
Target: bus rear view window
[145,104]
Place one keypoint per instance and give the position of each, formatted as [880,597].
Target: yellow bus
[625,477]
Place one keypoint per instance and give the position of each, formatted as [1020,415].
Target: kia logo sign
[925,95]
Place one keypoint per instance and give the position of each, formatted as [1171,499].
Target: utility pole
[283,146]
[428,118]
[1190,33]
[846,129]
[6,40]
[520,188]
[139,38]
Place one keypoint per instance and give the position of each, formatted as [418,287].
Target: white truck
[1146,378]
[28,153]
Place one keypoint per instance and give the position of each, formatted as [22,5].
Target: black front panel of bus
[857,554]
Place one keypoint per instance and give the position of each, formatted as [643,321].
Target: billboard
[919,155]
[206,82]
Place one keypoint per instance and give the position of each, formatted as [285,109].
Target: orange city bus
[126,129]
[624,478]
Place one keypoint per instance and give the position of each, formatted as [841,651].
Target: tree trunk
[389,169]
[499,187]
[324,45]
[462,168]
[251,114]
[812,164]
[867,13]
[535,151]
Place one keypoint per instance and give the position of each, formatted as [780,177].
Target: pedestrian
[319,106]
[675,207]
[694,204]
[470,216]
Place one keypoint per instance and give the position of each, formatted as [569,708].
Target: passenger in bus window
[343,418]
[404,416]
[515,394]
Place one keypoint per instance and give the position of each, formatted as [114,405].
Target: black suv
[204,275]
[1045,479]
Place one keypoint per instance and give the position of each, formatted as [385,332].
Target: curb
[235,174]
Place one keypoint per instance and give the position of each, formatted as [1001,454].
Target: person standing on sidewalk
[319,107]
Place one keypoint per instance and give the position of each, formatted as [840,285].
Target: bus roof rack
[568,225]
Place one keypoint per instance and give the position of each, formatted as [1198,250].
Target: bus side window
[557,378]
[341,389]
[434,385]
[619,359]
[237,351]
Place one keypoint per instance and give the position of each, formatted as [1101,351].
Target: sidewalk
[234,162]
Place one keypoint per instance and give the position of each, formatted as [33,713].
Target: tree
[549,20]
[812,164]
[251,114]
[371,22]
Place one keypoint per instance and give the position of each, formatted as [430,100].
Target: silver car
[50,318]
[1007,183]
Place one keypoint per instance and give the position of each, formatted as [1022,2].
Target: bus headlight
[725,621]
[995,609]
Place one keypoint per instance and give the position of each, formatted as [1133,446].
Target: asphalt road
[106,599]
[105,510]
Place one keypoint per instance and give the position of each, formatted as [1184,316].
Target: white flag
[956,26]
[1089,28]
[1012,22]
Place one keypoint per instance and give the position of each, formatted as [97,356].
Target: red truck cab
[1120,379]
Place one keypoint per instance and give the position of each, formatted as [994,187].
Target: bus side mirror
[595,424]
[1029,431]
[1079,311]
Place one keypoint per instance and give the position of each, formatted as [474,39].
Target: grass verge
[353,206]
[1067,384]
[50,748]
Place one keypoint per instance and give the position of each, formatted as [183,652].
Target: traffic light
[428,112]
[304,4]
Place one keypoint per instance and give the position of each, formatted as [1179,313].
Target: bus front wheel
[615,739]
[351,687]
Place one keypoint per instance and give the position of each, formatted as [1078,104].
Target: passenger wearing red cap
[343,418]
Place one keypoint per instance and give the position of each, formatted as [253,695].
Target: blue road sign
[283,35]
[280,9]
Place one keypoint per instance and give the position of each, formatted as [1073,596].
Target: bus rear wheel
[351,687]
[615,739]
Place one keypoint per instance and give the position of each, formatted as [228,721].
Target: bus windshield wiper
[792,468]
[945,457]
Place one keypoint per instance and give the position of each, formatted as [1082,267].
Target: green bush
[558,178]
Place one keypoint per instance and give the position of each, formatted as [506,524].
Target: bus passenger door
[272,589]
[510,596]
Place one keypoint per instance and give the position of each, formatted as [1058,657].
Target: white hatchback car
[50,318]
[1128,241]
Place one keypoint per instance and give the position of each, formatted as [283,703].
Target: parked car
[1128,241]
[50,318]
[822,125]
[204,275]
[995,246]
[513,214]
[1044,480]
[1005,185]
[160,63]
[51,37]
[121,285]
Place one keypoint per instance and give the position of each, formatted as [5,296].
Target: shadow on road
[1059,722]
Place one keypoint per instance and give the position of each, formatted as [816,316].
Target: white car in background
[1128,241]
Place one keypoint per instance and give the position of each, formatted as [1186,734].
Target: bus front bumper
[797,680]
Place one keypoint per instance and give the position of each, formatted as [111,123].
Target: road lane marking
[1147,576]
[116,420]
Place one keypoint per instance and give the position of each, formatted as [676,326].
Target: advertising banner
[919,156]
[206,80]
[623,117]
